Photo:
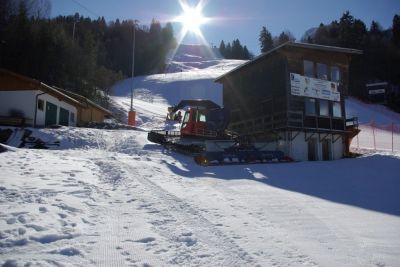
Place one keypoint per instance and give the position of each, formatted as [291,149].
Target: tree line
[380,60]
[234,51]
[77,53]
[267,42]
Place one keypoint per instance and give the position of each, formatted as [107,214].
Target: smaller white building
[37,103]
[313,146]
[300,145]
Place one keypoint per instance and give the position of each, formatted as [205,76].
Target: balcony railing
[291,119]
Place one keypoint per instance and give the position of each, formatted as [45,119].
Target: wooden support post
[373,133]
[392,137]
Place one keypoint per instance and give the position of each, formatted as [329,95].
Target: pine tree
[265,40]
[322,35]
[168,35]
[283,38]
[237,49]
[246,53]
[228,51]
[396,30]
[222,49]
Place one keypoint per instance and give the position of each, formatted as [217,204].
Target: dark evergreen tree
[237,49]
[265,39]
[246,53]
[322,35]
[284,37]
[222,49]
[396,30]
[375,29]
[228,51]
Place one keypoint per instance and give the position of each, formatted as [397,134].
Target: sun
[191,18]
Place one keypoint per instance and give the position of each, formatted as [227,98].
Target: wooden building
[293,97]
[26,101]
[90,112]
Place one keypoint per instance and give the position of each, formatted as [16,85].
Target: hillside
[191,76]
[111,198]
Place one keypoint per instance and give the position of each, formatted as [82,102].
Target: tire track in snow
[184,215]
[111,227]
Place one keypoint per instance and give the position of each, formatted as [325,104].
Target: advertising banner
[315,88]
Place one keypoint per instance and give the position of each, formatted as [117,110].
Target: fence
[375,136]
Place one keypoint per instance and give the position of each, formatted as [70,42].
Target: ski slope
[376,124]
[111,198]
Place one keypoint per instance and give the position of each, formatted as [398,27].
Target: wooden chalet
[293,97]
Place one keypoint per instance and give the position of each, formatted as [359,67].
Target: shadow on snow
[370,182]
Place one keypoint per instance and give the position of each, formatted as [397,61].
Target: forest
[77,53]
[234,51]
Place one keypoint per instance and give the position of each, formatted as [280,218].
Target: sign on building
[312,87]
[376,91]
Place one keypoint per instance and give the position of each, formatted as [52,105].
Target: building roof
[85,101]
[296,45]
[32,84]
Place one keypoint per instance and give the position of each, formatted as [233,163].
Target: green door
[64,117]
[51,114]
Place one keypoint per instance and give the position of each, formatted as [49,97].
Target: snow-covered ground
[111,198]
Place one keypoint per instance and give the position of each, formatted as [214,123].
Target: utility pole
[76,19]
[132,113]
[133,61]
[73,32]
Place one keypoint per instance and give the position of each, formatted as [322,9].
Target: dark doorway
[64,117]
[312,149]
[51,114]
[326,149]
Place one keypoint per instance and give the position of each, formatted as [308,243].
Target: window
[201,117]
[323,108]
[308,68]
[310,106]
[185,119]
[72,117]
[40,104]
[335,74]
[322,71]
[337,110]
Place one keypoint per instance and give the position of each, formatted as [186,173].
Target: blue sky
[241,19]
